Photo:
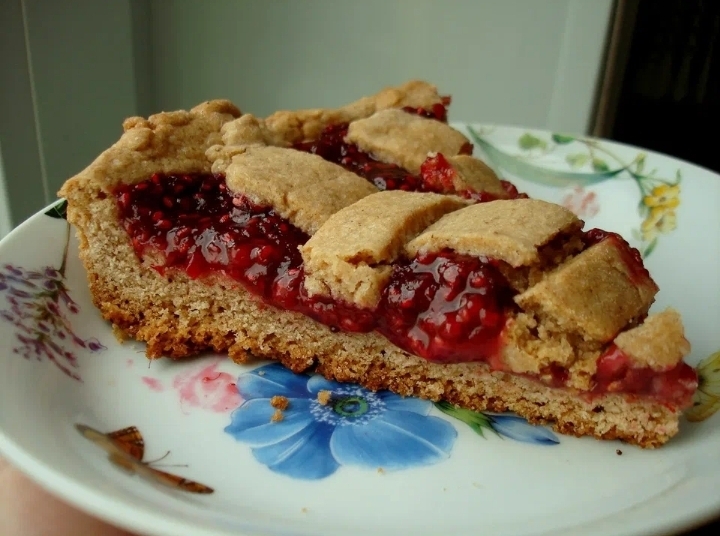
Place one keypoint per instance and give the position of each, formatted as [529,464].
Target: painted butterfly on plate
[126,449]
[707,396]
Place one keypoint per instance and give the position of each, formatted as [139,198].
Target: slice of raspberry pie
[367,243]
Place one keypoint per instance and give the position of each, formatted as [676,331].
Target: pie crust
[578,305]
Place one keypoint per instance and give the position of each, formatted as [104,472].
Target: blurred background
[640,71]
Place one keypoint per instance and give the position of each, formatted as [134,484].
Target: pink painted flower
[207,389]
[153,383]
[582,203]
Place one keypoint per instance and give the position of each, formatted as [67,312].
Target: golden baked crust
[510,230]
[185,317]
[349,258]
[404,139]
[658,343]
[250,130]
[168,142]
[289,181]
[473,174]
[178,316]
[470,173]
[301,125]
[594,294]
[283,128]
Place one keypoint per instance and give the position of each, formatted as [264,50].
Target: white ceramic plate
[375,464]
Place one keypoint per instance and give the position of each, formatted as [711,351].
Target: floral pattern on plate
[585,162]
[39,308]
[502,424]
[707,397]
[321,425]
[207,388]
[494,474]
[583,203]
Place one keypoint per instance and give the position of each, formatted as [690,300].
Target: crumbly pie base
[178,316]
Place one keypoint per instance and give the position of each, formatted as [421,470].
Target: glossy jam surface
[202,228]
[437,175]
[446,307]
[332,147]
[616,374]
[443,307]
[438,111]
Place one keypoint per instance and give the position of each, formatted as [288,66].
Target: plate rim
[141,519]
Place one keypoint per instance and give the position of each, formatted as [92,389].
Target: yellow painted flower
[665,195]
[660,220]
[707,396]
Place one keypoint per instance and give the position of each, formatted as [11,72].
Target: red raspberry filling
[436,173]
[438,111]
[203,229]
[433,177]
[438,176]
[443,307]
[331,146]
[446,307]
[616,374]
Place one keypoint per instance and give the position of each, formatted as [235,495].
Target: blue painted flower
[345,425]
[517,428]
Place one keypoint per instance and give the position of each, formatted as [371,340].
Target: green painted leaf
[562,139]
[640,163]
[474,419]
[527,142]
[519,167]
[58,210]
[577,160]
[649,249]
[600,165]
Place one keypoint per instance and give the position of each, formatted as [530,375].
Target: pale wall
[527,62]
[68,82]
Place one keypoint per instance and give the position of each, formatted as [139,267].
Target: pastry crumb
[279,402]
[381,471]
[618,452]
[304,510]
[119,334]
[261,373]
[324,397]
[277,416]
